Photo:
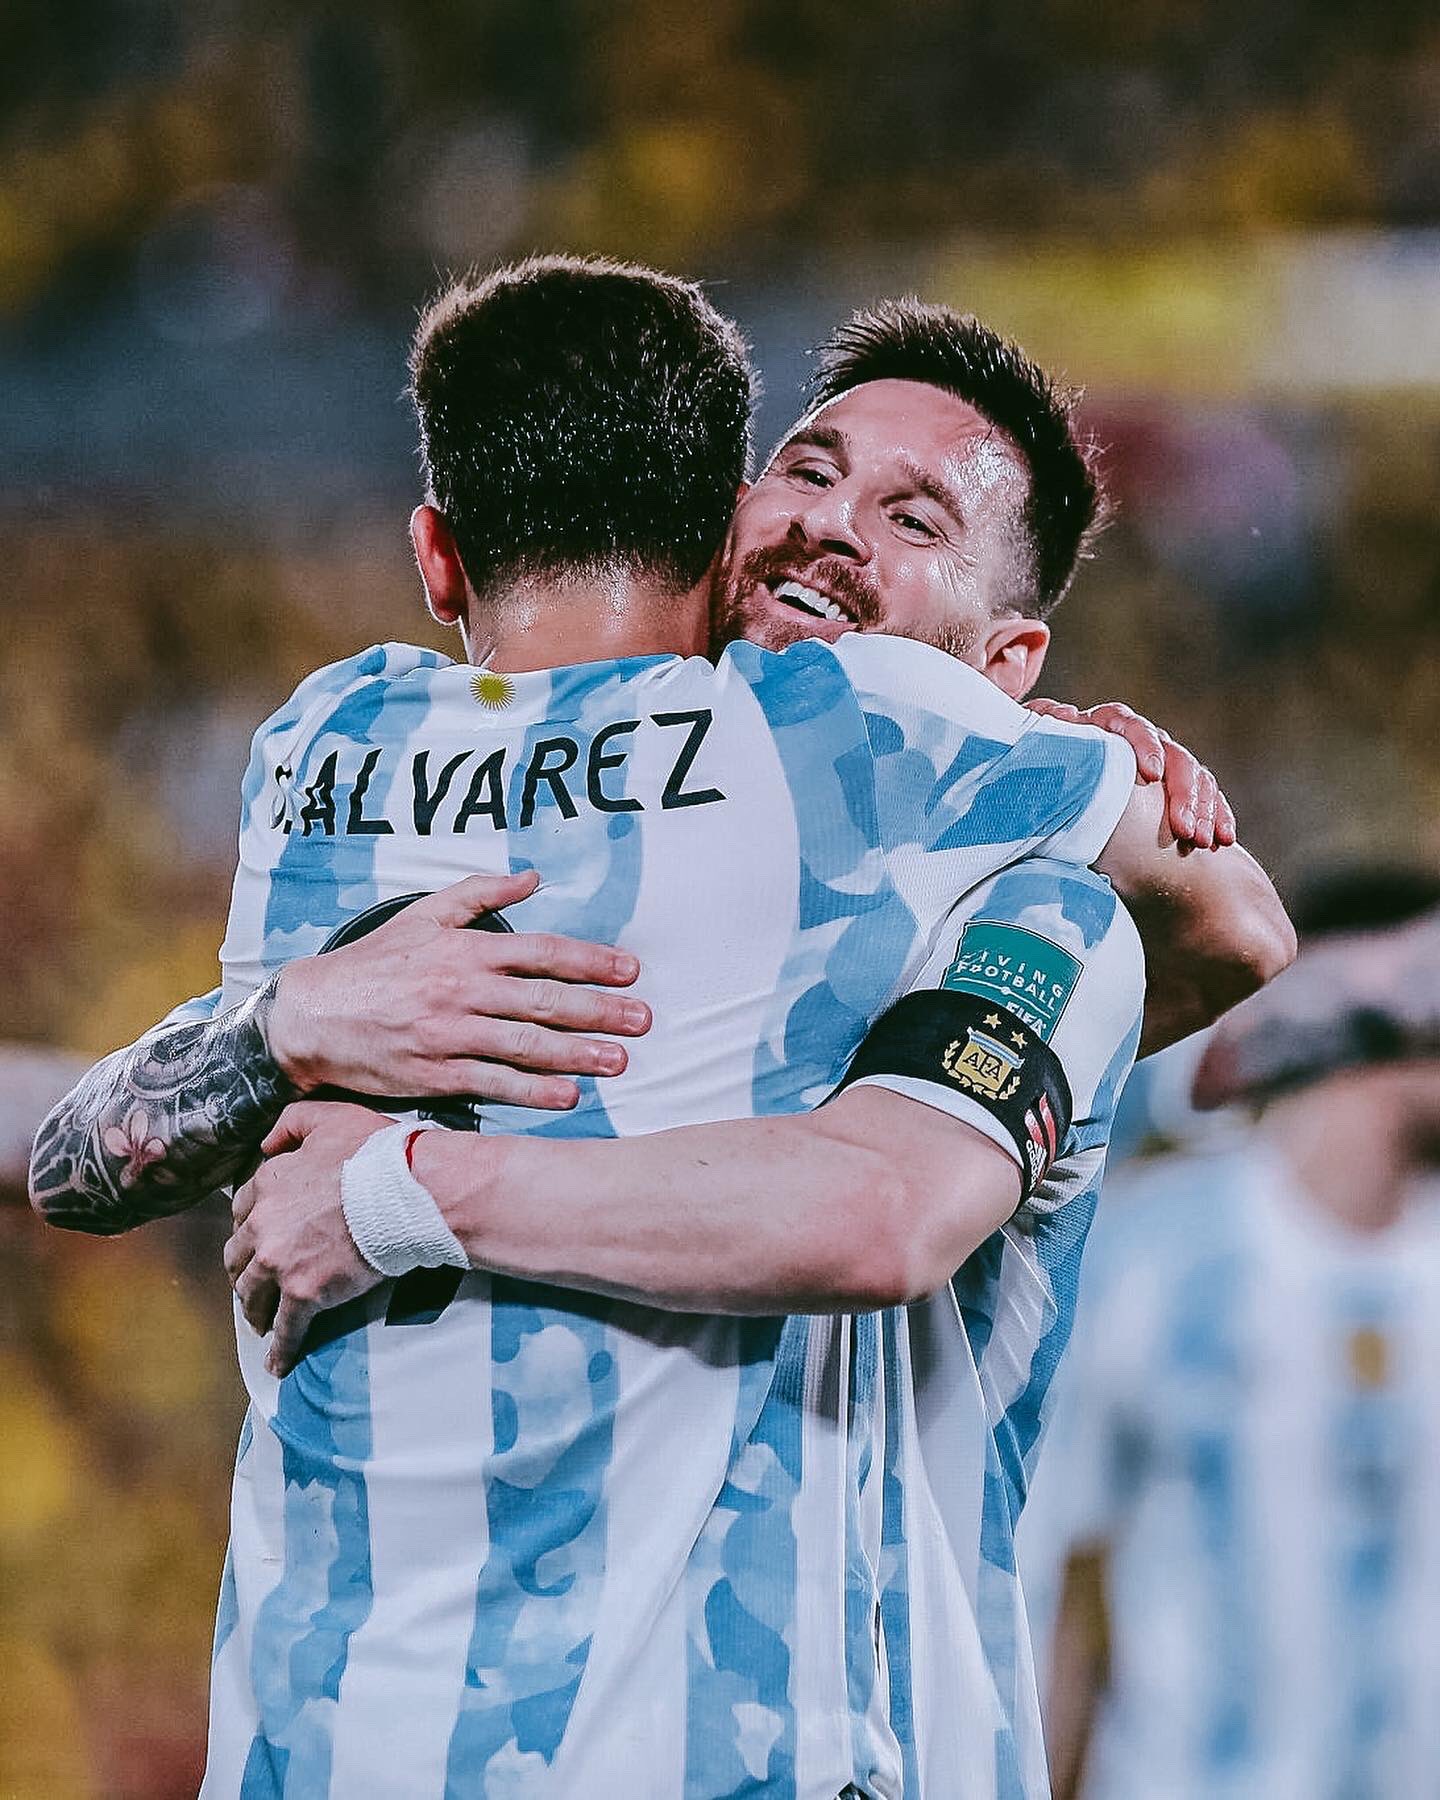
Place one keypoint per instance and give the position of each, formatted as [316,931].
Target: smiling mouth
[811,601]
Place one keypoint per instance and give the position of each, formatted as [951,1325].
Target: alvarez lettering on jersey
[505,785]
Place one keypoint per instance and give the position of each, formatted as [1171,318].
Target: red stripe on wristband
[410,1149]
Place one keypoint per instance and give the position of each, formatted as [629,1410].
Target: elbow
[1282,945]
[1269,944]
[44,1198]
[61,1208]
[1264,945]
[866,1252]
[1240,949]
[900,1243]
[62,1203]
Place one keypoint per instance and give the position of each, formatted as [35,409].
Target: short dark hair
[578,414]
[910,340]
[1368,896]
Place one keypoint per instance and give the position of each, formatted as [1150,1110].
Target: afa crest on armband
[989,1062]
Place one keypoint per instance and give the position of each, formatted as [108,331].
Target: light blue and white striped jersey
[525,1542]
[1251,1425]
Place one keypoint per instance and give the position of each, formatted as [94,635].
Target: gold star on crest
[494,692]
[993,1021]
[1018,1037]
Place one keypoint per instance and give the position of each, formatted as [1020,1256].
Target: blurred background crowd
[216,221]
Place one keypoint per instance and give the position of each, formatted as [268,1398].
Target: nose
[827,525]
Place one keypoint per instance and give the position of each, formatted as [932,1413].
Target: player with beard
[332,1555]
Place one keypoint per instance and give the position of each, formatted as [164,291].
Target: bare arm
[871,1201]
[420,1007]
[1213,927]
[868,1202]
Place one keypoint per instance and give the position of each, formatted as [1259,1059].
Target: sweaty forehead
[911,421]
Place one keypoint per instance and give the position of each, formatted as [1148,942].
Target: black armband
[963,1041]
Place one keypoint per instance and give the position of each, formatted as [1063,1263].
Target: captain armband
[973,1046]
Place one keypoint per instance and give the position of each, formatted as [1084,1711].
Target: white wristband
[393,1217]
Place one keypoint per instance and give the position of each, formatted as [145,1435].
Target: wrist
[465,1175]
[392,1216]
[284,1020]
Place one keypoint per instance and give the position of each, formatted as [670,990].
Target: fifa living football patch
[1018,969]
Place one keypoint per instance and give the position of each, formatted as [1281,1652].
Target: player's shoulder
[895,675]
[902,692]
[1052,928]
[1067,901]
[795,686]
[320,693]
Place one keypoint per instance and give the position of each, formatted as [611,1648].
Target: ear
[447,592]
[1013,653]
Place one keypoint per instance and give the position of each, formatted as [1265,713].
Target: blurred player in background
[1246,1461]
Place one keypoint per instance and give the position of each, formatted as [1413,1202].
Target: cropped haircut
[1362,896]
[909,340]
[579,416]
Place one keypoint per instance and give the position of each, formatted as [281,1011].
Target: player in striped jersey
[830,981]
[1246,1468]
[908,1434]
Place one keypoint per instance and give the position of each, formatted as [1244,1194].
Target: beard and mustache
[737,610]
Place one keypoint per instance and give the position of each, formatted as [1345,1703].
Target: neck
[1348,1148]
[584,618]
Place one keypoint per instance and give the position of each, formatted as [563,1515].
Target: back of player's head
[1368,896]
[1362,993]
[581,416]
[910,340]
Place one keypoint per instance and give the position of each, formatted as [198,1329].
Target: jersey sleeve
[198,1011]
[1050,943]
[967,781]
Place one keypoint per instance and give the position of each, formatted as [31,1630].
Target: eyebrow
[934,489]
[818,437]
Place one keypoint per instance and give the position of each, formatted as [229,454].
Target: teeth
[818,604]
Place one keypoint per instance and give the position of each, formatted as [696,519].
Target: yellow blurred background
[215,224]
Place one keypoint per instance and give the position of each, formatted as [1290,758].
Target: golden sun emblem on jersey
[1368,1353]
[494,692]
[984,1064]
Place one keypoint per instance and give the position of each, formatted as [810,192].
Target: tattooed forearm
[157,1127]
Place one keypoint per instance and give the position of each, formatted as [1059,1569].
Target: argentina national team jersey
[528,1543]
[1252,1426]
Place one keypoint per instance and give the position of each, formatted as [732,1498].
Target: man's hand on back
[1199,814]
[420,1006]
[424,1007]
